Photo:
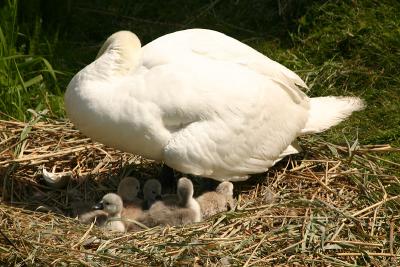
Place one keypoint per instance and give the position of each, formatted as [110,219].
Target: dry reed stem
[317,208]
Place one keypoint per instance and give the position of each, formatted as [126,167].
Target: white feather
[202,102]
[329,111]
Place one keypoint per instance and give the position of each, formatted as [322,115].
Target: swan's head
[128,188]
[122,41]
[184,190]
[111,204]
[151,191]
[225,188]
[124,48]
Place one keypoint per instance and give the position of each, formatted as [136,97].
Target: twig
[391,236]
[8,240]
[361,243]
[277,252]
[49,155]
[254,251]
[321,183]
[84,236]
[377,254]
[375,205]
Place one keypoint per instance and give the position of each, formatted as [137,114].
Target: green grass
[351,48]
[28,82]
[338,47]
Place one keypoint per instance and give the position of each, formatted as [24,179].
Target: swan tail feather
[329,111]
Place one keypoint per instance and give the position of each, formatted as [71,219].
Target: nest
[332,205]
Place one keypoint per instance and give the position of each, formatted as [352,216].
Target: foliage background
[338,47]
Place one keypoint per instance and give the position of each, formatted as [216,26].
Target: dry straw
[333,205]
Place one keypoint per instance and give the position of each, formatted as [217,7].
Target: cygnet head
[128,188]
[225,188]
[151,191]
[184,190]
[111,203]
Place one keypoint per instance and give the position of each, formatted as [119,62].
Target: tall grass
[338,47]
[27,80]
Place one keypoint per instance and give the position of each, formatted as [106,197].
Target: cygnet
[128,190]
[112,204]
[151,192]
[186,210]
[216,201]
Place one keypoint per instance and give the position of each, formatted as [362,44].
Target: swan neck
[120,54]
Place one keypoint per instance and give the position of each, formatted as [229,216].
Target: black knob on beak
[98,206]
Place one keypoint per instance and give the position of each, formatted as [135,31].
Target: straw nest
[332,205]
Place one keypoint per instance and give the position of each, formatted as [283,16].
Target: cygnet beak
[158,197]
[98,206]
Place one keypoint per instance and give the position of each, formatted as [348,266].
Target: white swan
[202,102]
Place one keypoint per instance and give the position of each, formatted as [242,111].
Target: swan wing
[186,44]
[225,120]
